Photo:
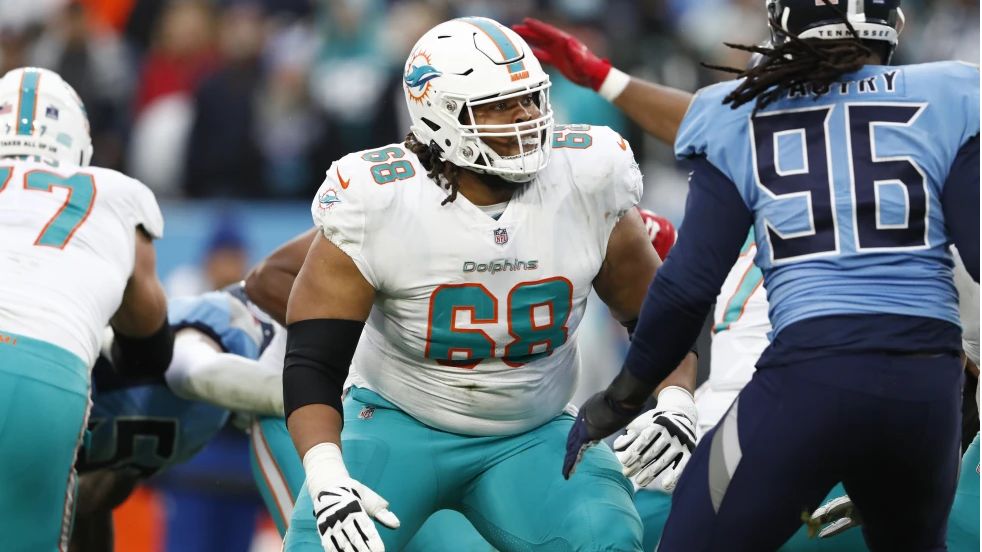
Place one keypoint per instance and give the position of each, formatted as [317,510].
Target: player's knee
[596,527]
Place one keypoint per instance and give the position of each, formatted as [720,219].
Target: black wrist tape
[143,356]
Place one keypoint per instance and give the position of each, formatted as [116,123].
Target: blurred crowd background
[231,111]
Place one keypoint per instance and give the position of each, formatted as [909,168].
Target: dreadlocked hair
[795,63]
[445,174]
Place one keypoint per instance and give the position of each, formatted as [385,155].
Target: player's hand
[343,507]
[598,417]
[660,441]
[837,515]
[565,52]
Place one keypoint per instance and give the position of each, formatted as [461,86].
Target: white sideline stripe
[271,473]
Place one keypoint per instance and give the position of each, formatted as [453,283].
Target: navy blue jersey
[845,188]
[143,424]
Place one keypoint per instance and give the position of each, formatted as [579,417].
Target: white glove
[660,441]
[837,515]
[343,507]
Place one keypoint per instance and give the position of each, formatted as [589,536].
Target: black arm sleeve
[679,298]
[318,355]
[960,202]
[143,356]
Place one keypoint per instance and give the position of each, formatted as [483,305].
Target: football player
[277,468]
[142,426]
[855,176]
[78,254]
[474,259]
[740,320]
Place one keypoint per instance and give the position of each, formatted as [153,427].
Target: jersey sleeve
[964,81]
[715,131]
[140,206]
[968,308]
[695,135]
[345,208]
[605,176]
[220,316]
[605,171]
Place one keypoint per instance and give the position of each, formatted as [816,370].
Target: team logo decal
[419,73]
[501,236]
[328,199]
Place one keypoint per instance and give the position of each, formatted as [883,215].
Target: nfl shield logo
[501,236]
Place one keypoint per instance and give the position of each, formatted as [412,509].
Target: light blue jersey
[143,424]
[812,168]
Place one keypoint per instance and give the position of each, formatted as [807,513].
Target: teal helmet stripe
[505,45]
[27,102]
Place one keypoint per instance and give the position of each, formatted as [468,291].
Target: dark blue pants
[887,426]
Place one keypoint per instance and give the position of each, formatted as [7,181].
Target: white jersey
[968,308]
[68,250]
[474,325]
[740,323]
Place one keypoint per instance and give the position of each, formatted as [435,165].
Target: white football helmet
[41,117]
[468,62]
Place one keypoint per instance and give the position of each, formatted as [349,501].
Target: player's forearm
[679,298]
[655,108]
[313,424]
[268,284]
[683,376]
[201,371]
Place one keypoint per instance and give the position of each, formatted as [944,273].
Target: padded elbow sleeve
[318,355]
[144,356]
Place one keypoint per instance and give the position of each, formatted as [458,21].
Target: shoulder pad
[131,198]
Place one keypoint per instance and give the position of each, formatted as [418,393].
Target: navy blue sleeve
[714,229]
[960,202]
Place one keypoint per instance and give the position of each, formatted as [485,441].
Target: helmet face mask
[874,20]
[462,65]
[42,118]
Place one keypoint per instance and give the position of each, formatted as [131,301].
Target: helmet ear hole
[433,126]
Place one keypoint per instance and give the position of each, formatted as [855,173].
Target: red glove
[565,52]
[660,230]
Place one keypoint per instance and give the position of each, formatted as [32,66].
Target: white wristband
[324,467]
[614,84]
[677,399]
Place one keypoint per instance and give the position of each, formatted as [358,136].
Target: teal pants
[963,524]
[43,406]
[278,472]
[276,468]
[510,488]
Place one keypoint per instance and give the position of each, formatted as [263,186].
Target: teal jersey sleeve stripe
[27,102]
[501,40]
[752,279]
[751,240]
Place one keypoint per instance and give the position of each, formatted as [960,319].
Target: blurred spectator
[223,155]
[109,13]
[294,131]
[19,15]
[91,58]
[14,44]
[224,261]
[946,29]
[182,54]
[351,75]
